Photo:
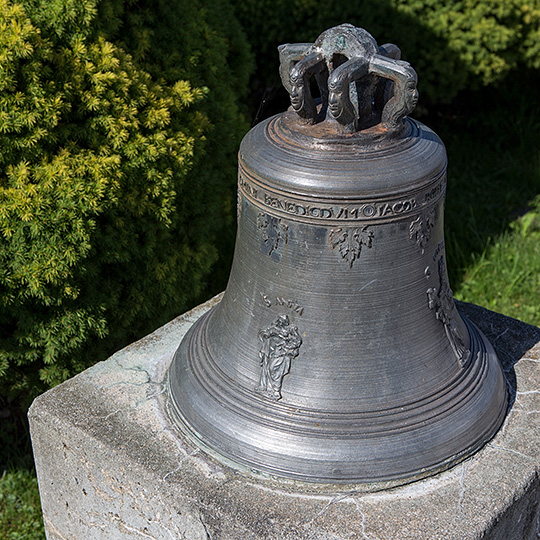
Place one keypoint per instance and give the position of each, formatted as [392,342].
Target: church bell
[337,354]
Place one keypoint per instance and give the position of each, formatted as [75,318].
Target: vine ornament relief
[350,241]
[420,229]
[274,231]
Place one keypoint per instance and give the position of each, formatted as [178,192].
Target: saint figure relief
[443,304]
[280,344]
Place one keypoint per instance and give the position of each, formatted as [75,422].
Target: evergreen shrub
[453,45]
[119,126]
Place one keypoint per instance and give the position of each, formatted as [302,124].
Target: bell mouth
[314,449]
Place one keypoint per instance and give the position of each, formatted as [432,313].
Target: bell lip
[315,485]
[285,479]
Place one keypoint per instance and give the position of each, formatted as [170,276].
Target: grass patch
[506,276]
[20,508]
[492,205]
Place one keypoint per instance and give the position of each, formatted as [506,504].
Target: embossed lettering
[433,193]
[291,304]
[375,210]
[248,188]
[274,202]
[397,208]
[298,209]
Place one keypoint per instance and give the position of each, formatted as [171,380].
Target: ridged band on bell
[337,354]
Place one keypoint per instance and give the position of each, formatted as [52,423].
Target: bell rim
[259,468]
[312,485]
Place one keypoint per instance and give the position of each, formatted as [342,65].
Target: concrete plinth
[111,466]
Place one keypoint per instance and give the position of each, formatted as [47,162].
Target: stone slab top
[118,409]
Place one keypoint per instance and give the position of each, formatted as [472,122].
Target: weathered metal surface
[337,354]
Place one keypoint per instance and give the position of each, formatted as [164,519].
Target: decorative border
[335,212]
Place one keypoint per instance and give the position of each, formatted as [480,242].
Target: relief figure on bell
[280,344]
[442,301]
[297,95]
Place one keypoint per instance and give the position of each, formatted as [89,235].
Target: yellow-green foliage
[453,44]
[115,176]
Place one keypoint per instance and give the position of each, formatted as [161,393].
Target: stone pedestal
[111,466]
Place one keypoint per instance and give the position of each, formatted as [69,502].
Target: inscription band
[383,210]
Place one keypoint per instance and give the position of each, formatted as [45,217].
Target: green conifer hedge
[452,44]
[119,126]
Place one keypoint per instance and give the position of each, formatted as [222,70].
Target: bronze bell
[337,354]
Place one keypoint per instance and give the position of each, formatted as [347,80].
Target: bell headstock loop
[361,85]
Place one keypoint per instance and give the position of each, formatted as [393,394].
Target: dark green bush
[452,45]
[119,125]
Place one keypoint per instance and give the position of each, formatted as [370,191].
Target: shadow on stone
[510,338]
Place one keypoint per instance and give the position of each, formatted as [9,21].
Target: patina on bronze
[337,354]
